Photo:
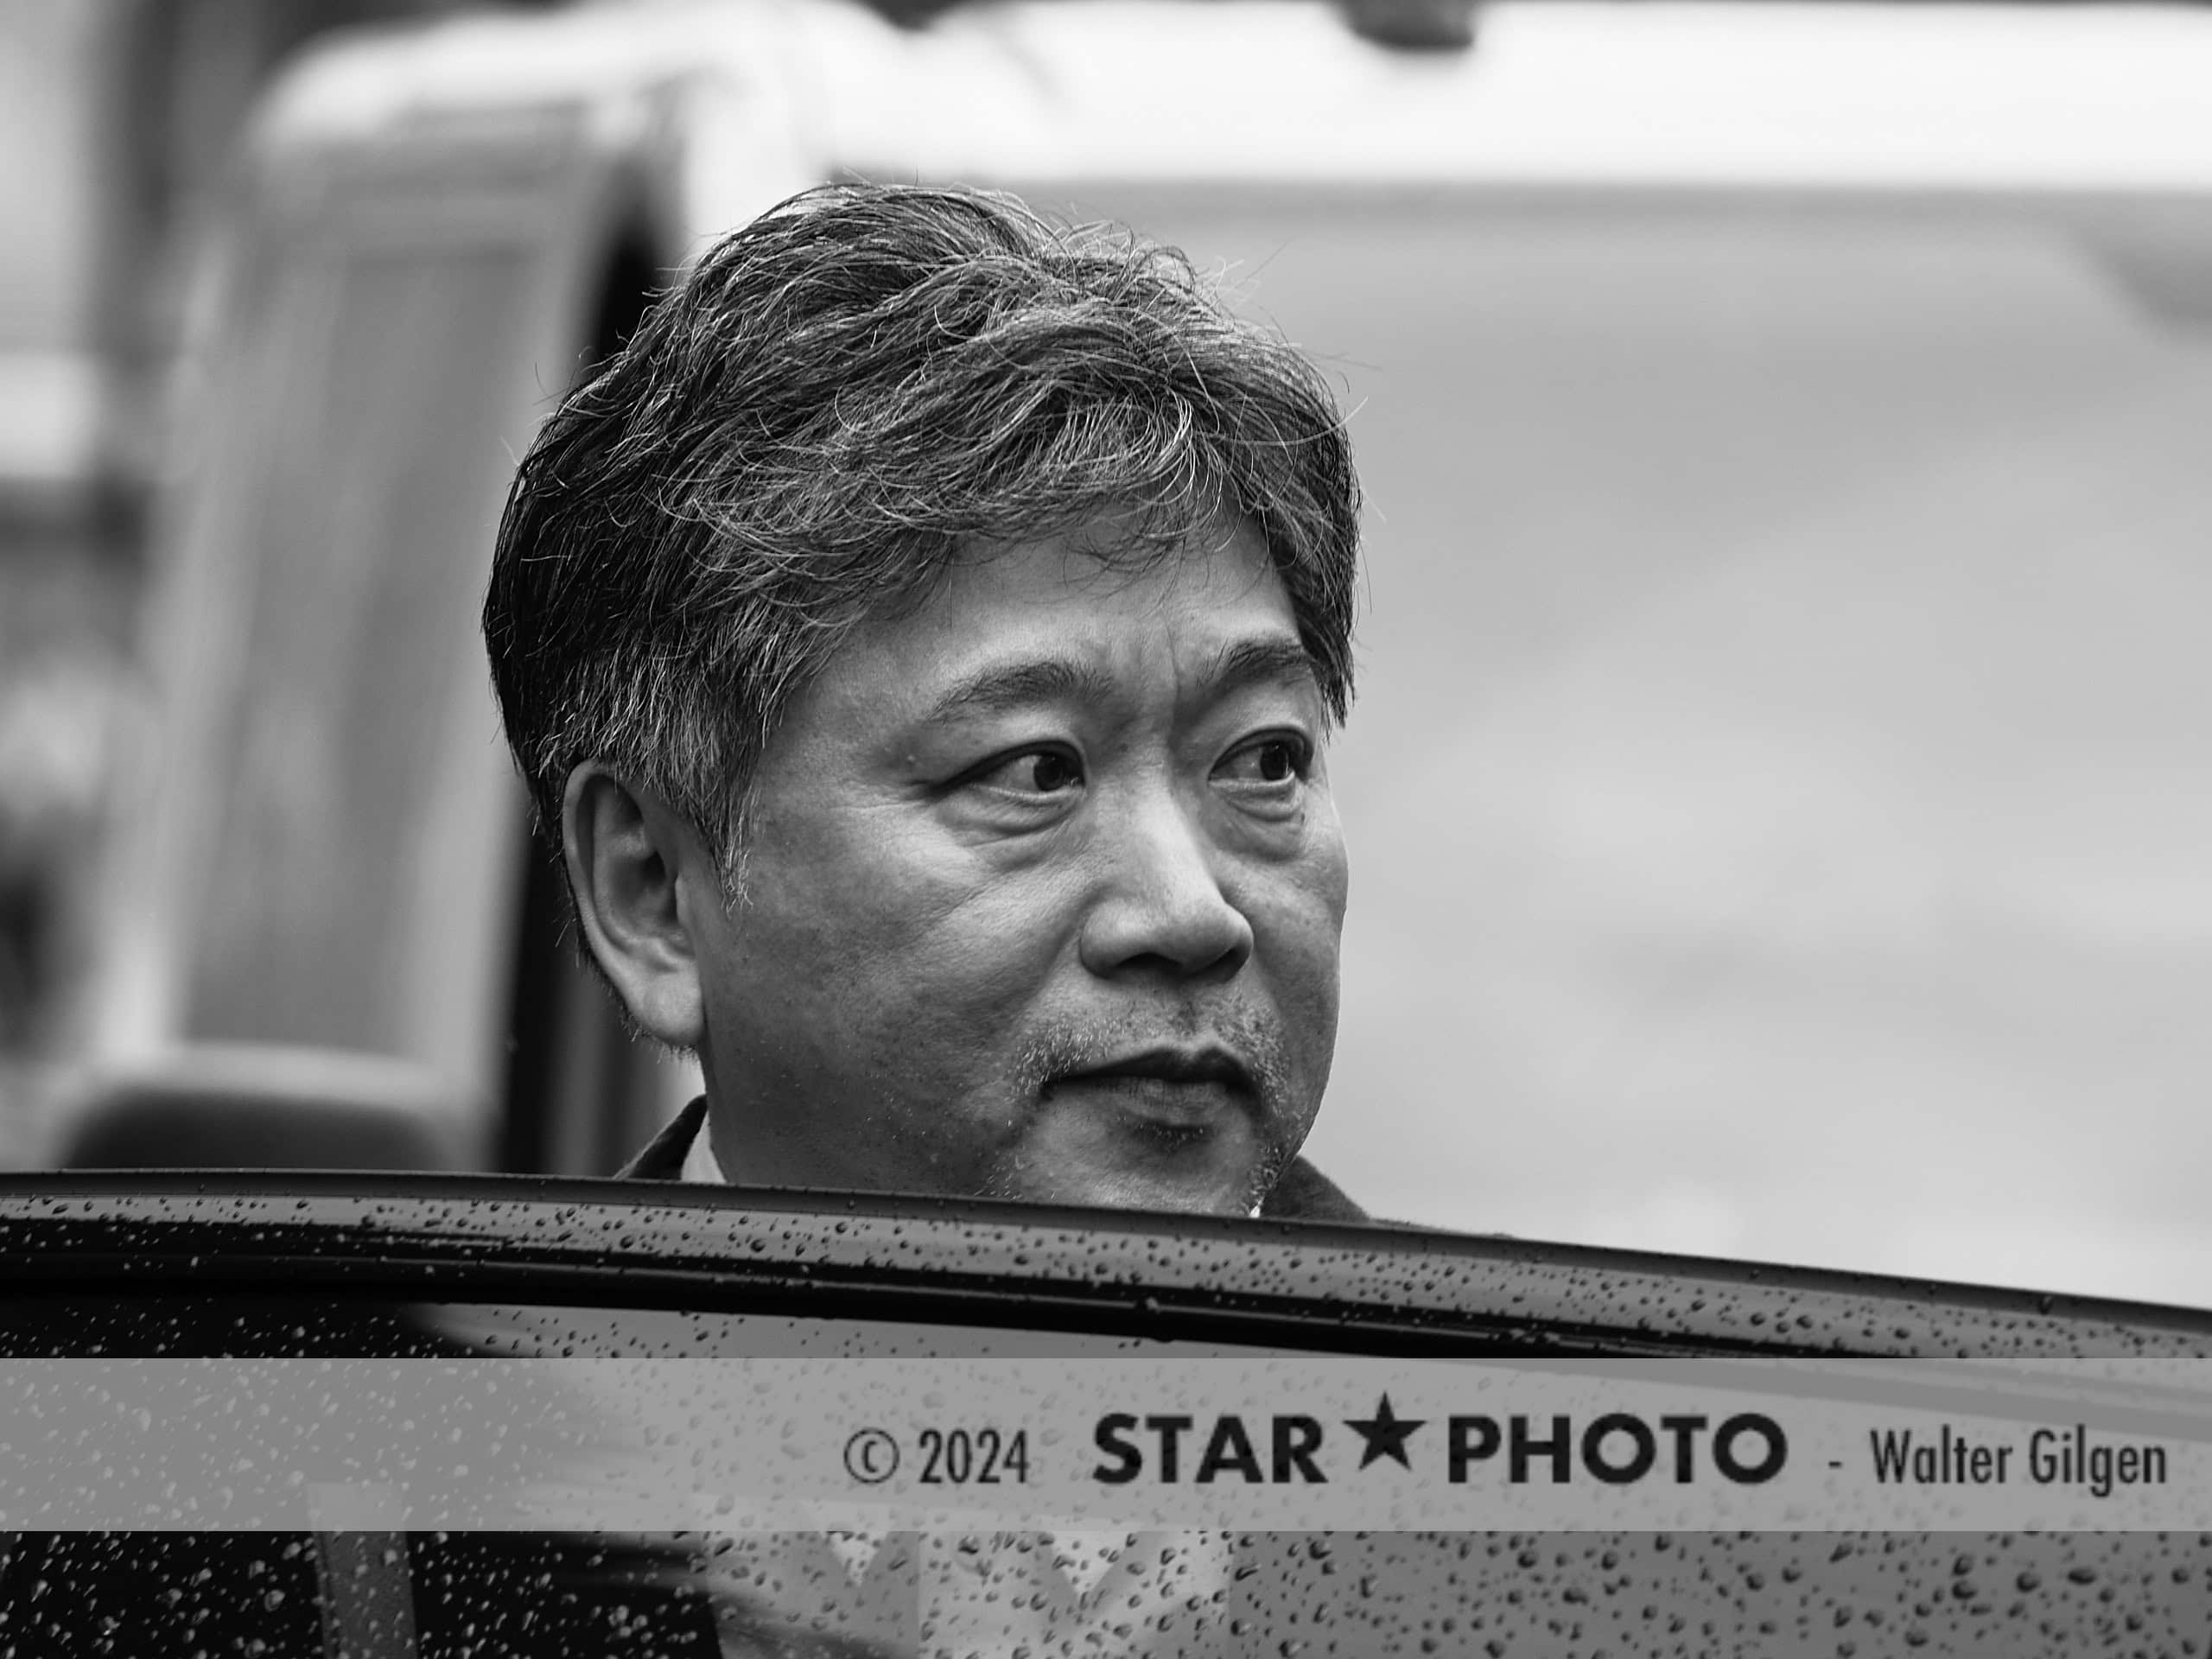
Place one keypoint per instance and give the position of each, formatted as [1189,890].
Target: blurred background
[117,122]
[1780,790]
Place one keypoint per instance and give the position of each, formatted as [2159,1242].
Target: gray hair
[815,421]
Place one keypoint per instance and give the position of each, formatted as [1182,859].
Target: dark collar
[1303,1194]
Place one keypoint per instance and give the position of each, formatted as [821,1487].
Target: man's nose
[1162,906]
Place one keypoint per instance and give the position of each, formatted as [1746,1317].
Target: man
[921,641]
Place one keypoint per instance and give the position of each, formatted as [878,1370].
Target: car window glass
[364,1582]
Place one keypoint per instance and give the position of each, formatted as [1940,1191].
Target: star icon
[1385,1434]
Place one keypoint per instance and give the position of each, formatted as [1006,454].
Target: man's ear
[628,857]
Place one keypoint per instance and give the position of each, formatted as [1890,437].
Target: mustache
[1252,1044]
[1066,1046]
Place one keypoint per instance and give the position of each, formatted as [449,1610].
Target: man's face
[1044,896]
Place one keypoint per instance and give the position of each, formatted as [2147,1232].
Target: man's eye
[1035,771]
[1274,760]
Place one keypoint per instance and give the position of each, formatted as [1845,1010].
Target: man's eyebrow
[1004,686]
[1275,658]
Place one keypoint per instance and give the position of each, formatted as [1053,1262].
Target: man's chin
[1119,1162]
[1122,1191]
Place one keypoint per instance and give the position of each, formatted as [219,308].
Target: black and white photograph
[1105,827]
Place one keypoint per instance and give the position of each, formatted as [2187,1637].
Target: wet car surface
[189,1267]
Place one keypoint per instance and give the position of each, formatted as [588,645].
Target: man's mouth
[1179,1092]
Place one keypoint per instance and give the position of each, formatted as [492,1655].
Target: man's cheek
[911,898]
[1329,865]
[1301,936]
[954,997]
[978,945]
[950,1027]
[1304,949]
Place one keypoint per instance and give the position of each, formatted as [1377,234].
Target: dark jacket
[1303,1194]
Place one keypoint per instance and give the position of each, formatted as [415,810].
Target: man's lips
[1173,1065]
[1173,1088]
